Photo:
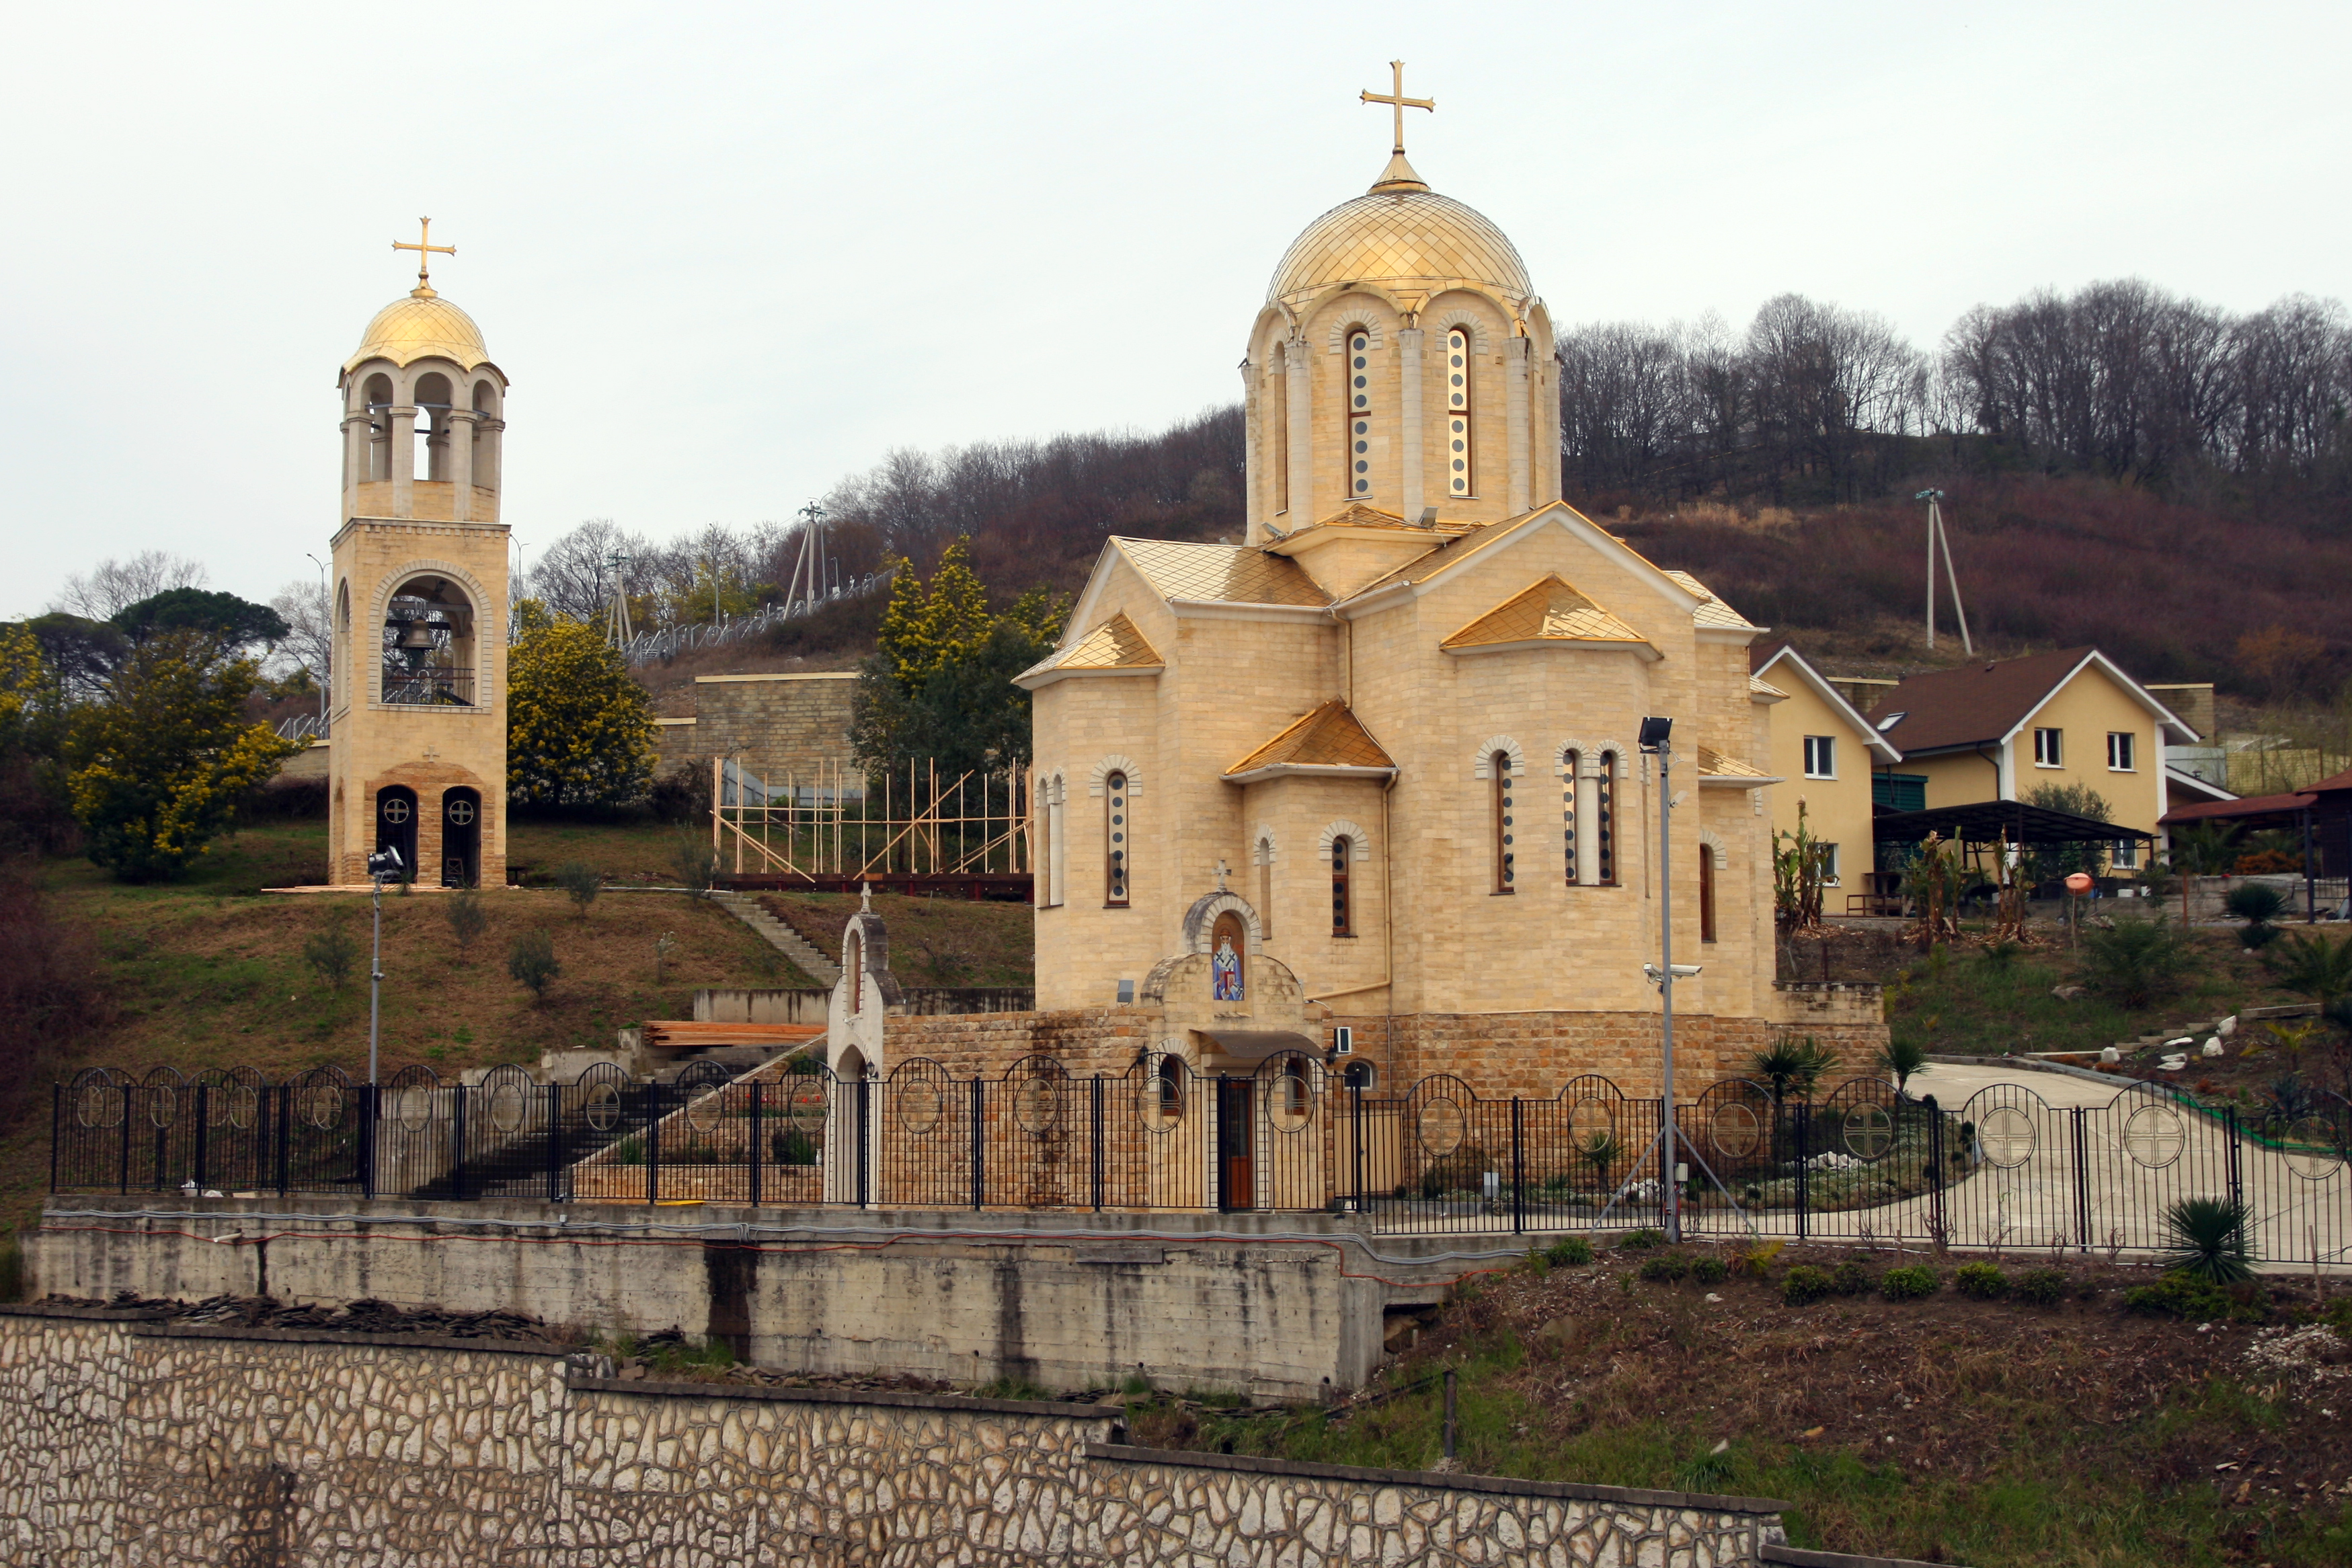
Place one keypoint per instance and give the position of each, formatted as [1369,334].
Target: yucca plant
[2208,1240]
[1899,1059]
[1779,1065]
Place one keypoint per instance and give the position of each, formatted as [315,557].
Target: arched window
[1342,906]
[1706,893]
[1500,766]
[1116,840]
[1263,855]
[1604,821]
[1570,762]
[1274,419]
[1359,1074]
[1359,413]
[1169,1081]
[853,959]
[1228,959]
[1458,472]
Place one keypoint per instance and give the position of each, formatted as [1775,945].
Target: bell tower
[417,758]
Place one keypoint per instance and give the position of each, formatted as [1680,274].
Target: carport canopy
[1986,821]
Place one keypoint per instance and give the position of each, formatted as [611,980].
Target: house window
[1457,413]
[2120,755]
[1604,819]
[2127,852]
[1706,893]
[2049,748]
[1500,764]
[1821,756]
[1342,913]
[1829,865]
[1115,841]
[1360,414]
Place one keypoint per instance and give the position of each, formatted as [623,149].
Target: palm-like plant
[1815,1061]
[2314,966]
[1779,1065]
[1900,1058]
[2208,1240]
[1601,1151]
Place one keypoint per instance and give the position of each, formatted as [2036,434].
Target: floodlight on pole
[1656,741]
[385,862]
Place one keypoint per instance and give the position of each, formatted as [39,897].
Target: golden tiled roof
[1713,611]
[1759,687]
[1407,241]
[1713,763]
[1546,610]
[418,326]
[1223,574]
[1328,737]
[1114,645]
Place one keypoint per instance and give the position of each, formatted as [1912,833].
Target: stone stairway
[780,936]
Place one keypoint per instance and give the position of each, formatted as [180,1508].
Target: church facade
[1367,783]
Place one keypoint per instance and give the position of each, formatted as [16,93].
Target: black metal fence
[1858,1162]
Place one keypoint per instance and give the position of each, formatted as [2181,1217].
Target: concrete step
[779,935]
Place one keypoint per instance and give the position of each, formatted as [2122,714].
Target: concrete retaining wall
[162,1443]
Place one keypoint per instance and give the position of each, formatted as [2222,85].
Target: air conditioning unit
[1343,1040]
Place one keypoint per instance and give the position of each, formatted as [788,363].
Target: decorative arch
[1334,337]
[1200,921]
[1338,828]
[491,614]
[1116,763]
[1263,850]
[1589,755]
[1714,842]
[1485,762]
[1481,330]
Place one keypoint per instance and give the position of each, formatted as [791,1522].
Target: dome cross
[1397,100]
[425,250]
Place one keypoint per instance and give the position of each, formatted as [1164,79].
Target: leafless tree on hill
[113,587]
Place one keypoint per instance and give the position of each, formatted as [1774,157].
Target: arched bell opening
[396,825]
[461,837]
[376,401]
[433,400]
[429,645]
[485,435]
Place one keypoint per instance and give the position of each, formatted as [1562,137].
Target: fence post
[554,1143]
[285,1139]
[759,1150]
[1097,1117]
[1935,1170]
[204,1137]
[864,1142]
[458,1141]
[1356,1091]
[2082,1177]
[122,1154]
[369,1107]
[653,1143]
[1803,1118]
[2237,1181]
[979,1143]
[57,1128]
[1518,1170]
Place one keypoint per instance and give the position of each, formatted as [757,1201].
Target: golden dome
[1405,237]
[422,325]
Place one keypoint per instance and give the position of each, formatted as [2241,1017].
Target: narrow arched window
[1275,420]
[1500,812]
[1264,855]
[1343,914]
[1706,893]
[1169,1080]
[1228,959]
[1458,472]
[1570,764]
[1116,840]
[1359,413]
[853,959]
[1604,821]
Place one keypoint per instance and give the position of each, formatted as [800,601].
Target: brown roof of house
[2224,810]
[1974,705]
[1329,736]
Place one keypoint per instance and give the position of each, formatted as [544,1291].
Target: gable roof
[1548,610]
[1712,611]
[1327,737]
[1793,666]
[1983,704]
[1219,574]
[1488,538]
[1117,644]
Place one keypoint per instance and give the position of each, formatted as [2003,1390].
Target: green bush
[788,1147]
[1666,1268]
[1711,1269]
[1642,1240]
[1854,1277]
[533,963]
[2041,1286]
[2181,1294]
[2209,1239]
[1804,1285]
[1568,1251]
[1908,1283]
[2254,938]
[2137,962]
[333,952]
[1982,1282]
[2254,902]
[581,883]
[630,1151]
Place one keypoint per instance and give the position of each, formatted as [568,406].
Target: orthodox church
[1367,781]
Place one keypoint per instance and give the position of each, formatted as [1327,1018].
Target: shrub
[691,856]
[2041,1286]
[533,963]
[1642,1240]
[1666,1268]
[790,1147]
[1900,1058]
[630,1151]
[581,883]
[1854,1277]
[333,952]
[2135,962]
[1709,1270]
[2254,938]
[2208,1240]
[2183,1295]
[1804,1285]
[1982,1281]
[1908,1283]
[2254,902]
[466,918]
[1569,1251]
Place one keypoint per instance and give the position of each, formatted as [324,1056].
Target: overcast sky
[728,253]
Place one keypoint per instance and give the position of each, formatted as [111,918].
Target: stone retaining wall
[144,1442]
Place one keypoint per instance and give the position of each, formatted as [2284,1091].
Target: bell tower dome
[1402,363]
[416,757]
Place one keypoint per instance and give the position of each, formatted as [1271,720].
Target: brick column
[359,438]
[1409,421]
[401,420]
[461,464]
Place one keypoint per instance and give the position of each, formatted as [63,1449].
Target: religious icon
[1225,972]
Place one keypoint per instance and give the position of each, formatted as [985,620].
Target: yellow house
[2002,730]
[1826,750]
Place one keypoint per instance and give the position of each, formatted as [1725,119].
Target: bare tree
[309,640]
[114,587]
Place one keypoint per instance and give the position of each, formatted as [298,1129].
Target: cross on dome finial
[425,250]
[1399,174]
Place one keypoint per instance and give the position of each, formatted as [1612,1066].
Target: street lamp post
[1656,737]
[385,862]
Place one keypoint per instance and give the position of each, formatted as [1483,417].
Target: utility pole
[1939,540]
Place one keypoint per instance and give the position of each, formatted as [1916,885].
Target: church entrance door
[396,825]
[461,839]
[1236,1171]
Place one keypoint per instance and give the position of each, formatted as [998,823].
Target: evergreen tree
[579,729]
[939,685]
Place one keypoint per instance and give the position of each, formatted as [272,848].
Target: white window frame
[1830,867]
[2129,749]
[2124,856]
[2049,748]
[1818,747]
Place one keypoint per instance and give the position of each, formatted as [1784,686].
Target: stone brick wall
[777,725]
[165,1443]
[1085,1040]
